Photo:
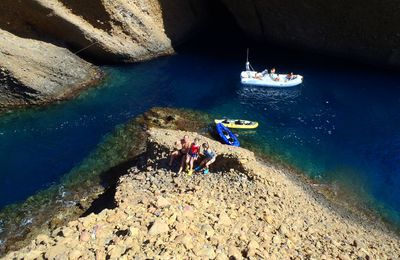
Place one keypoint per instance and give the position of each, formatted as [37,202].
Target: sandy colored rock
[307,227]
[158,227]
[74,254]
[122,30]
[35,72]
[224,220]
[234,252]
[84,236]
[162,202]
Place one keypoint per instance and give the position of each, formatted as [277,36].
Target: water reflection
[273,97]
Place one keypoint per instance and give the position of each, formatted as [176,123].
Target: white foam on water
[1,226]
[26,221]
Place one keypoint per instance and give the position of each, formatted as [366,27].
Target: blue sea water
[339,127]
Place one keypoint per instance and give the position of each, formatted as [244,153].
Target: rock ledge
[243,209]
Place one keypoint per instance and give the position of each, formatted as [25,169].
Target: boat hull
[226,135]
[232,123]
[249,78]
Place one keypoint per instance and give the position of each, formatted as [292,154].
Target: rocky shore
[243,209]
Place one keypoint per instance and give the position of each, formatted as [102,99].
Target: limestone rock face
[367,31]
[35,72]
[123,30]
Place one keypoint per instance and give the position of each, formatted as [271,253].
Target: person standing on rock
[193,155]
[210,157]
[184,149]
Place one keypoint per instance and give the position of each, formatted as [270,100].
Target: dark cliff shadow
[109,179]
[206,22]
[93,12]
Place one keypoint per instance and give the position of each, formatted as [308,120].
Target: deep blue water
[341,126]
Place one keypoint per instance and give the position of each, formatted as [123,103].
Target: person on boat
[258,75]
[264,72]
[227,136]
[289,76]
[185,146]
[192,155]
[210,157]
[273,75]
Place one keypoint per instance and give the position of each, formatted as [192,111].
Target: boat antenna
[248,65]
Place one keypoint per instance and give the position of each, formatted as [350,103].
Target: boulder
[162,202]
[158,227]
[224,220]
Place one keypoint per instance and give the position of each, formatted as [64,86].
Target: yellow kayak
[237,123]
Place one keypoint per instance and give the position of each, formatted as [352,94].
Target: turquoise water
[340,127]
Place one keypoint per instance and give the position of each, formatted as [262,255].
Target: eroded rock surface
[124,30]
[242,210]
[35,72]
[135,30]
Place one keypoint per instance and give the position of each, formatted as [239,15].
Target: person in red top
[193,154]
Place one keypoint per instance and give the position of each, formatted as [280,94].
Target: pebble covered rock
[243,209]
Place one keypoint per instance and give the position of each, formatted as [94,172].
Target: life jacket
[194,149]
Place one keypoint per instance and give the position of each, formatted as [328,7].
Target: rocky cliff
[242,210]
[367,31]
[35,72]
[104,31]
[136,30]
[124,30]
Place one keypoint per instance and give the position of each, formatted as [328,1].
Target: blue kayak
[227,136]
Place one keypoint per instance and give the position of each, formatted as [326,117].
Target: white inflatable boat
[252,77]
[249,77]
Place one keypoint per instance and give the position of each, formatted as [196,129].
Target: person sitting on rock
[192,155]
[185,146]
[175,152]
[210,157]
